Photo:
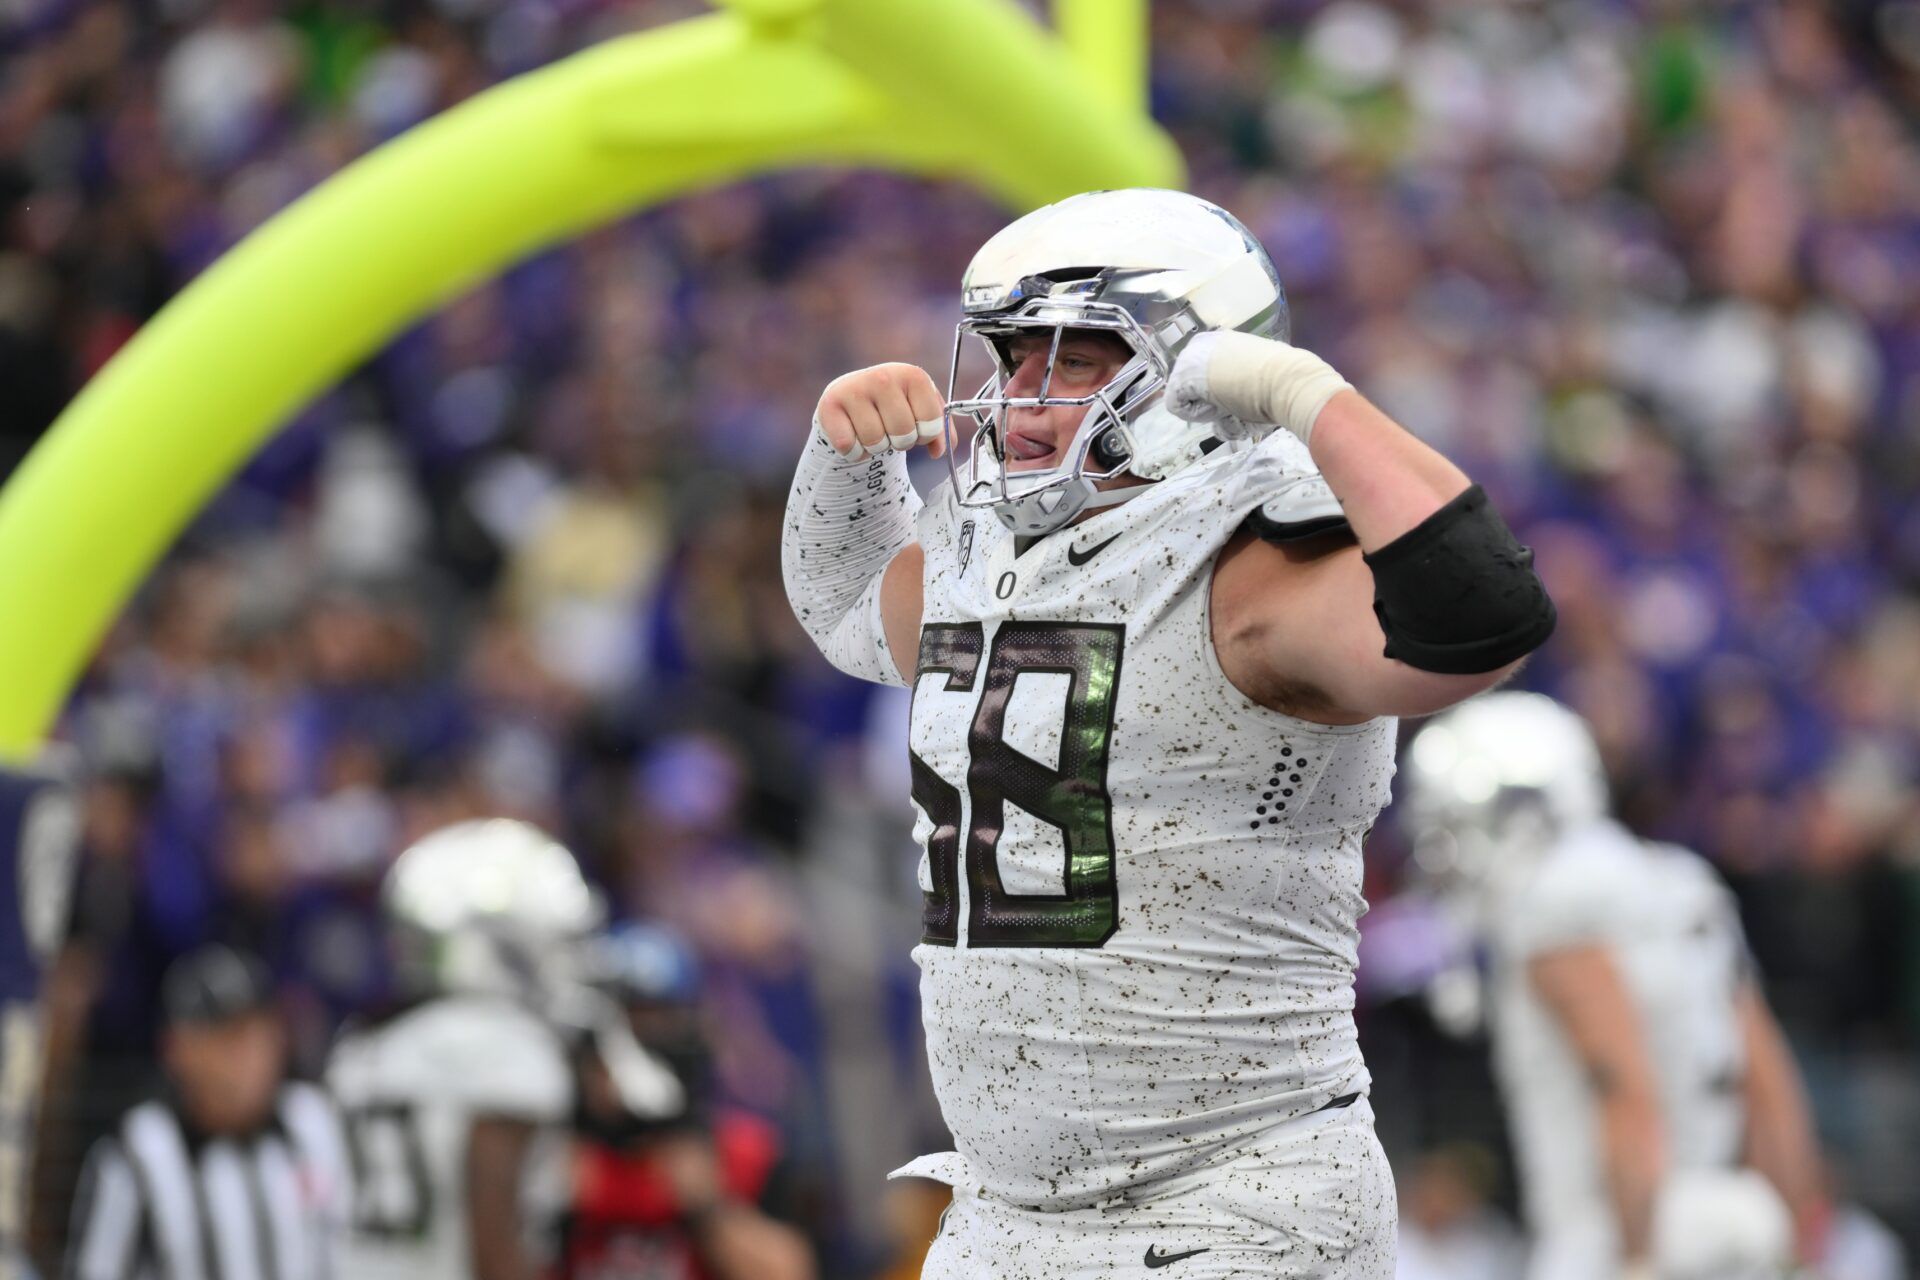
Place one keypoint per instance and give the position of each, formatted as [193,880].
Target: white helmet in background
[493,907]
[1152,267]
[497,907]
[1721,1224]
[1493,784]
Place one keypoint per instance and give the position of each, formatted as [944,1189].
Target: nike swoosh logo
[1157,1260]
[1076,557]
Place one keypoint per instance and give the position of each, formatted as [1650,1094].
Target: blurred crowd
[1644,267]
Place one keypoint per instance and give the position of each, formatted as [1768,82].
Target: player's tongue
[1027,448]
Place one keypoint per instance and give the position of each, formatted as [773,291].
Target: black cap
[214,984]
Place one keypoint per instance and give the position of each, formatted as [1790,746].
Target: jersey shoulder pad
[1304,509]
[941,513]
[1298,503]
[1582,893]
[514,1062]
[1698,884]
[1688,867]
[489,1056]
[947,532]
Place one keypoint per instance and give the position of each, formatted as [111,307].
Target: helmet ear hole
[1109,449]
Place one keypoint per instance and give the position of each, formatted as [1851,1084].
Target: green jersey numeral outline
[1072,798]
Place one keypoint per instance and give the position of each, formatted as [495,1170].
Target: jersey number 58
[1072,798]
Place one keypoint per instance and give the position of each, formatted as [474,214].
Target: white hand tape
[1261,380]
[853,454]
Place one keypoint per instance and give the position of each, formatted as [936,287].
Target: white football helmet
[1154,267]
[493,907]
[1493,784]
[498,907]
[1721,1224]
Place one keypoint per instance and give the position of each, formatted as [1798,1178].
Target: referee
[235,1173]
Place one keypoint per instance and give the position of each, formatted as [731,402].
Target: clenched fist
[888,408]
[1240,381]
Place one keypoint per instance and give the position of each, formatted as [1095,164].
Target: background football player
[456,1106]
[1639,1063]
[1157,647]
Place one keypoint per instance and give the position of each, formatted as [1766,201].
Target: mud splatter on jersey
[1142,889]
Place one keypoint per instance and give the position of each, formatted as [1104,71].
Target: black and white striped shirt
[157,1204]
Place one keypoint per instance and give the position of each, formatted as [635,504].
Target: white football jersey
[1142,888]
[409,1090]
[1673,931]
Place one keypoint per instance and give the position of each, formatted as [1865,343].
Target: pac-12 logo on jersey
[966,546]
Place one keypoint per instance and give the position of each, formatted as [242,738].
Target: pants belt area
[951,1168]
[1122,1201]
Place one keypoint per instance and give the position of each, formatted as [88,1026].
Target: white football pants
[1312,1199]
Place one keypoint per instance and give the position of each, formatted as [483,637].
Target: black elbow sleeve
[1457,593]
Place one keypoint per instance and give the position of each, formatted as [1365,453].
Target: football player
[456,1104]
[1158,623]
[1640,1066]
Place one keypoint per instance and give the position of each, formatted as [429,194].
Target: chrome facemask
[1126,428]
[1471,856]
[1039,501]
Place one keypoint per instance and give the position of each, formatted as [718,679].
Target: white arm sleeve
[846,521]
